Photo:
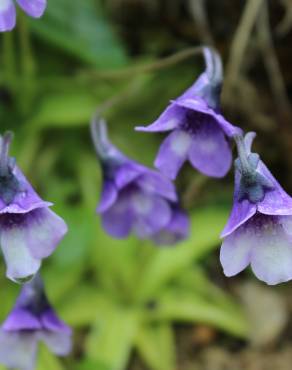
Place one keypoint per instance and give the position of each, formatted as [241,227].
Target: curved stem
[150,67]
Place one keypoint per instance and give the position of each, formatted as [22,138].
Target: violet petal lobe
[176,230]
[241,212]
[173,152]
[43,231]
[34,8]
[155,183]
[51,322]
[200,106]
[118,219]
[25,200]
[127,173]
[276,201]
[7,15]
[21,319]
[108,196]
[210,152]
[169,120]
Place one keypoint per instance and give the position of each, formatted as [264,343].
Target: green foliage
[82,29]
[120,296]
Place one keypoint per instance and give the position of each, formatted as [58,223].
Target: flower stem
[213,62]
[243,155]
[98,130]
[4,153]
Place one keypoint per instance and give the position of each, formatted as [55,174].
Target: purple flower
[29,230]
[176,230]
[259,230]
[134,198]
[199,133]
[34,8]
[32,320]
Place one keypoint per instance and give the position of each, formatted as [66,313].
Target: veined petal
[235,252]
[7,15]
[271,259]
[170,119]
[210,152]
[108,196]
[34,8]
[173,152]
[60,343]
[18,350]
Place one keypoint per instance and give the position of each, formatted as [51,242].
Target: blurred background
[133,306]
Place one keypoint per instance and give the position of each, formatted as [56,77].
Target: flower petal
[21,319]
[235,251]
[271,259]
[210,152]
[152,213]
[26,200]
[18,350]
[108,196]
[118,220]
[154,182]
[276,201]
[43,231]
[7,15]
[34,8]
[20,263]
[286,222]
[51,322]
[170,119]
[127,173]
[173,153]
[59,343]
[175,231]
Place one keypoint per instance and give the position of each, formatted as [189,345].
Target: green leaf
[111,338]
[60,280]
[76,309]
[64,109]
[46,360]
[91,365]
[206,225]
[155,344]
[81,28]
[186,307]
